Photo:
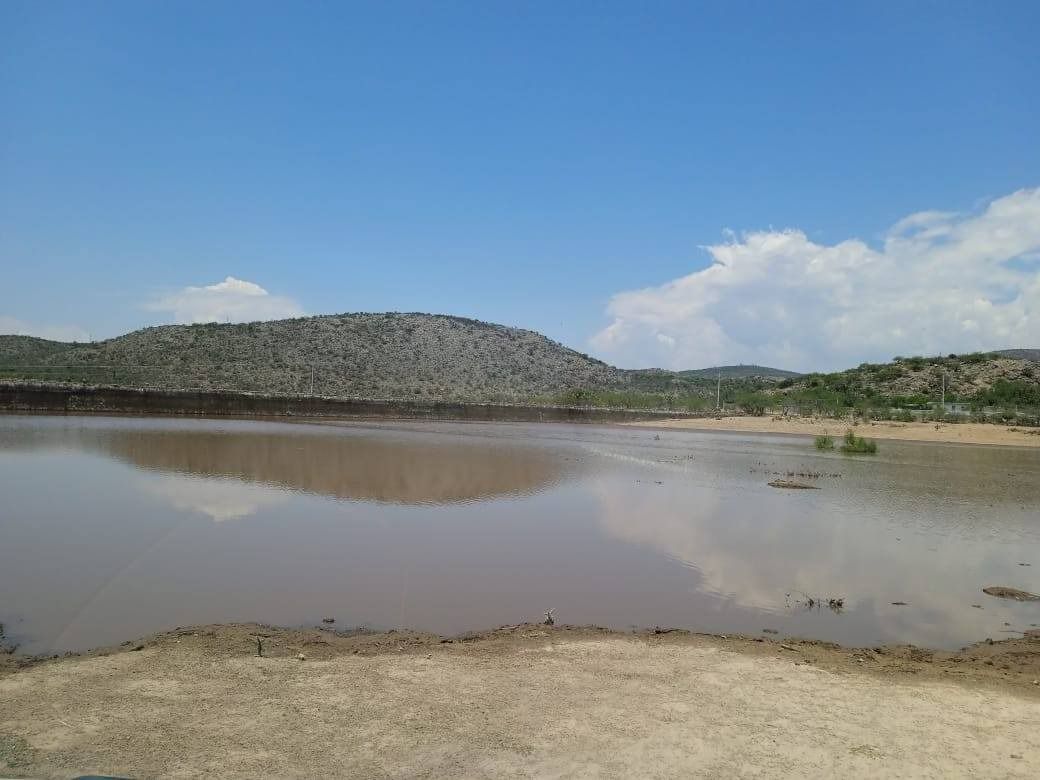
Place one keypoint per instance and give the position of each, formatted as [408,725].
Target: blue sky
[556,166]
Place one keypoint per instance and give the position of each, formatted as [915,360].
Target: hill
[29,349]
[740,372]
[981,378]
[1020,354]
[432,356]
[366,355]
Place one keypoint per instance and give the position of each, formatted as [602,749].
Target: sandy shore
[526,701]
[959,433]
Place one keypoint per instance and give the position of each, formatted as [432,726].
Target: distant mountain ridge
[741,371]
[1020,354]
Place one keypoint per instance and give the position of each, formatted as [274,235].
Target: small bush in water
[856,445]
[825,442]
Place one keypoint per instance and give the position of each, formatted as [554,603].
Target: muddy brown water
[112,528]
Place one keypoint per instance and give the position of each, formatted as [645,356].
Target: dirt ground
[521,701]
[958,433]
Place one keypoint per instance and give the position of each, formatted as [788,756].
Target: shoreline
[287,641]
[25,398]
[946,433]
[57,398]
[527,700]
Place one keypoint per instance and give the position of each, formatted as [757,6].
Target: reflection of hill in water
[390,468]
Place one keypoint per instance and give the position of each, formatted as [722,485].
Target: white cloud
[218,499]
[814,548]
[232,300]
[16,327]
[940,282]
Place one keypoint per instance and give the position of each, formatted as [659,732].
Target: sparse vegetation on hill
[428,357]
[364,355]
[688,401]
[21,350]
[409,356]
[978,380]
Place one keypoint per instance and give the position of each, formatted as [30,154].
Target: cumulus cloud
[939,282]
[752,563]
[218,499]
[232,300]
[15,327]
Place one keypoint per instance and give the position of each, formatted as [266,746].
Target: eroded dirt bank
[519,701]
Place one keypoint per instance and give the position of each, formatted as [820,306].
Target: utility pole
[718,392]
[944,392]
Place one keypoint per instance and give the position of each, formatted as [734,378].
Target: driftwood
[788,484]
[1001,592]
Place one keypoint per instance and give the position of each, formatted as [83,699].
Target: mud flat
[951,433]
[524,700]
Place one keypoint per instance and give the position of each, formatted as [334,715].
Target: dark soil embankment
[76,399]
[1012,662]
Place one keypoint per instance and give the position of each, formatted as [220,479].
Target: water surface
[111,528]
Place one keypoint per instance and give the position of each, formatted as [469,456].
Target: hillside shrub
[1006,392]
[753,403]
[624,399]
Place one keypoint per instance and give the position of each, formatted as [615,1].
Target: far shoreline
[986,434]
[57,398]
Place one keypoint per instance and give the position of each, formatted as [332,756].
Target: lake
[113,528]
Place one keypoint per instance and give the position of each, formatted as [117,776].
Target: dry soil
[522,701]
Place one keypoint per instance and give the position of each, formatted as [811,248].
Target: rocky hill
[427,356]
[986,378]
[366,355]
